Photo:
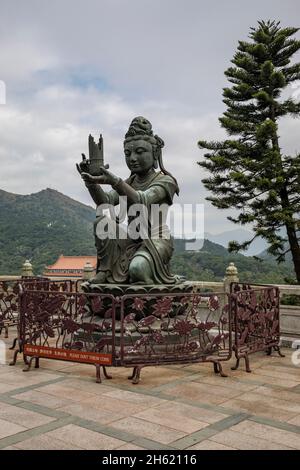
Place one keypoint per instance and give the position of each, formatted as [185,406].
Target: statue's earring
[155,164]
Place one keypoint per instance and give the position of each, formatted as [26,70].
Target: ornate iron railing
[139,330]
[9,297]
[9,305]
[152,329]
[66,326]
[174,328]
[256,320]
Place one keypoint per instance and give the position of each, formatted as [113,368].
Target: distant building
[69,267]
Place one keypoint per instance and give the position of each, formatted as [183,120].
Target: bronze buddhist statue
[127,259]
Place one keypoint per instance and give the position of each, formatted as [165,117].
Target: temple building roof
[69,266]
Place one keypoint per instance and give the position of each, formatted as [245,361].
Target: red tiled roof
[62,274]
[72,262]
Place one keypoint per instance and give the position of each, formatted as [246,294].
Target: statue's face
[139,156]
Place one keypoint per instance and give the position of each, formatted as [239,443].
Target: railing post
[88,271]
[27,270]
[230,276]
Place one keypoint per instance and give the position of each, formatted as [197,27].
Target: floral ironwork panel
[175,327]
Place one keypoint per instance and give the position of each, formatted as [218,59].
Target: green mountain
[267,256]
[44,225]
[210,263]
[40,227]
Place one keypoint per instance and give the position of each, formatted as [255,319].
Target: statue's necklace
[144,183]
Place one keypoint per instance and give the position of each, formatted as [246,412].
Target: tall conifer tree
[249,170]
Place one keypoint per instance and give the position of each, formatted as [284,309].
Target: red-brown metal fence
[256,320]
[139,330]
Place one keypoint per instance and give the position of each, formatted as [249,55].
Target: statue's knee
[139,270]
[135,269]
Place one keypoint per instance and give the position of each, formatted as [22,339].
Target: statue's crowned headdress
[141,128]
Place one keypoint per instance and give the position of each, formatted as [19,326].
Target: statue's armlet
[154,195]
[113,197]
[160,192]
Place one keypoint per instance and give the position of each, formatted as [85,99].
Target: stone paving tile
[265,379]
[43,399]
[261,431]
[278,374]
[37,431]
[194,438]
[160,388]
[111,414]
[54,365]
[180,416]
[219,390]
[281,394]
[207,444]
[80,370]
[89,412]
[259,409]
[42,409]
[133,397]
[153,431]
[4,368]
[130,446]
[7,428]
[87,385]
[22,379]
[28,419]
[199,393]
[246,442]
[295,420]
[60,390]
[276,359]
[208,415]
[4,388]
[273,359]
[124,408]
[22,388]
[232,383]
[270,401]
[275,424]
[199,368]
[84,438]
[10,448]
[172,416]
[46,442]
[150,376]
[295,371]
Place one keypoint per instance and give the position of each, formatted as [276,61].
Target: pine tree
[249,171]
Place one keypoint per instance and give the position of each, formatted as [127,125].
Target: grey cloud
[75,67]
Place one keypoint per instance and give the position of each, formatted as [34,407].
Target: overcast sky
[72,67]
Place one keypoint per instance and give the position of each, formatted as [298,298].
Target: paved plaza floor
[59,406]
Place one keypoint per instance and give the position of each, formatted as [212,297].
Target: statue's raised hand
[106,178]
[83,166]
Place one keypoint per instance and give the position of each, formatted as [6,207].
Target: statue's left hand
[83,166]
[106,178]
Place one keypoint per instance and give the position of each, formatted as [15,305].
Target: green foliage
[210,263]
[290,300]
[44,225]
[40,227]
[248,171]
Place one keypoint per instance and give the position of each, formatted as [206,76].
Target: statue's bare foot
[100,278]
